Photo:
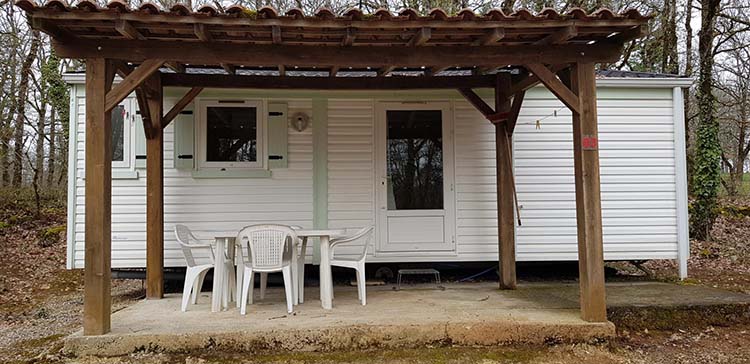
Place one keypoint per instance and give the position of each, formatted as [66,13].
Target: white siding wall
[636,130]
[351,171]
[209,206]
[636,140]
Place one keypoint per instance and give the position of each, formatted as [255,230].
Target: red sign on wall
[590,142]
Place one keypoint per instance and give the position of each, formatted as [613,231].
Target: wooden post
[154,188]
[588,195]
[97,274]
[503,161]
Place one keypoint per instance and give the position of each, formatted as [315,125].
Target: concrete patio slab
[462,314]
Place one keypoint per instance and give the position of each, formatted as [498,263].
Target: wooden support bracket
[180,105]
[131,82]
[555,85]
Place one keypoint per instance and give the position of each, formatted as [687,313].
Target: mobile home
[326,159]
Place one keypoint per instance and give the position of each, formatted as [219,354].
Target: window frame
[127,133]
[201,134]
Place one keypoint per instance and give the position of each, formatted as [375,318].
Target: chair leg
[198,286]
[359,285]
[288,287]
[301,280]
[190,277]
[247,282]
[362,284]
[263,283]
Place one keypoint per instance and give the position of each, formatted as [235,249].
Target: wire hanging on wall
[538,122]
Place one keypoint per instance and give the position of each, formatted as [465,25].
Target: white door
[414,163]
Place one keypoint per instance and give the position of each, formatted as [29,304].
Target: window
[231,135]
[415,159]
[120,136]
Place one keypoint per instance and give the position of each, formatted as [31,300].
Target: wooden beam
[532,80]
[132,81]
[201,31]
[53,30]
[332,72]
[491,37]
[229,68]
[549,79]
[432,71]
[127,30]
[282,70]
[515,110]
[385,71]
[349,37]
[276,34]
[326,83]
[588,195]
[477,102]
[505,189]
[97,301]
[420,37]
[635,32]
[213,53]
[560,36]
[180,105]
[154,191]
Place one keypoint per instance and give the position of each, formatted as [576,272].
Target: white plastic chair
[270,250]
[357,263]
[197,264]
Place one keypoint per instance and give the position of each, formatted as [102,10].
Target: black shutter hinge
[185,156]
[275,113]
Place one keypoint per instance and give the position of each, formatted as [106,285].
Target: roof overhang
[238,38]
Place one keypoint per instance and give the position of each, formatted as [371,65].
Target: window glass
[231,134]
[118,133]
[415,159]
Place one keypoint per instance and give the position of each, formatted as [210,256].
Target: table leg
[217,293]
[326,283]
[295,300]
[301,271]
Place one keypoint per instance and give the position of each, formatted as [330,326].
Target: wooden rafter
[432,71]
[349,37]
[229,68]
[175,66]
[131,82]
[201,31]
[282,70]
[276,34]
[560,36]
[180,105]
[492,36]
[549,79]
[53,30]
[420,38]
[332,72]
[212,53]
[385,71]
[127,30]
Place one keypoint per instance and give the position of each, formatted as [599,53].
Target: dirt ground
[41,302]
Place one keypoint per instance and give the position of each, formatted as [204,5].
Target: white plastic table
[326,280]
[219,299]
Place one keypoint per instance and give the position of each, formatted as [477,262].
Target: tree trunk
[686,91]
[23,90]
[670,63]
[52,148]
[39,152]
[707,167]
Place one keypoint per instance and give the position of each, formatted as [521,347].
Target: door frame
[449,193]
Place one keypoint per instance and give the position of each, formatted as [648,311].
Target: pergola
[151,48]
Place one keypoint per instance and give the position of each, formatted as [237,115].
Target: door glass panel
[415,159]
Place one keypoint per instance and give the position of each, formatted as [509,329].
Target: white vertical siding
[350,167]
[206,205]
[637,151]
[636,140]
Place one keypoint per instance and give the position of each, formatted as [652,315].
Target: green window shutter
[184,138]
[277,135]
[140,142]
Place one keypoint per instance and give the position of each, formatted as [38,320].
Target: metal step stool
[433,272]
